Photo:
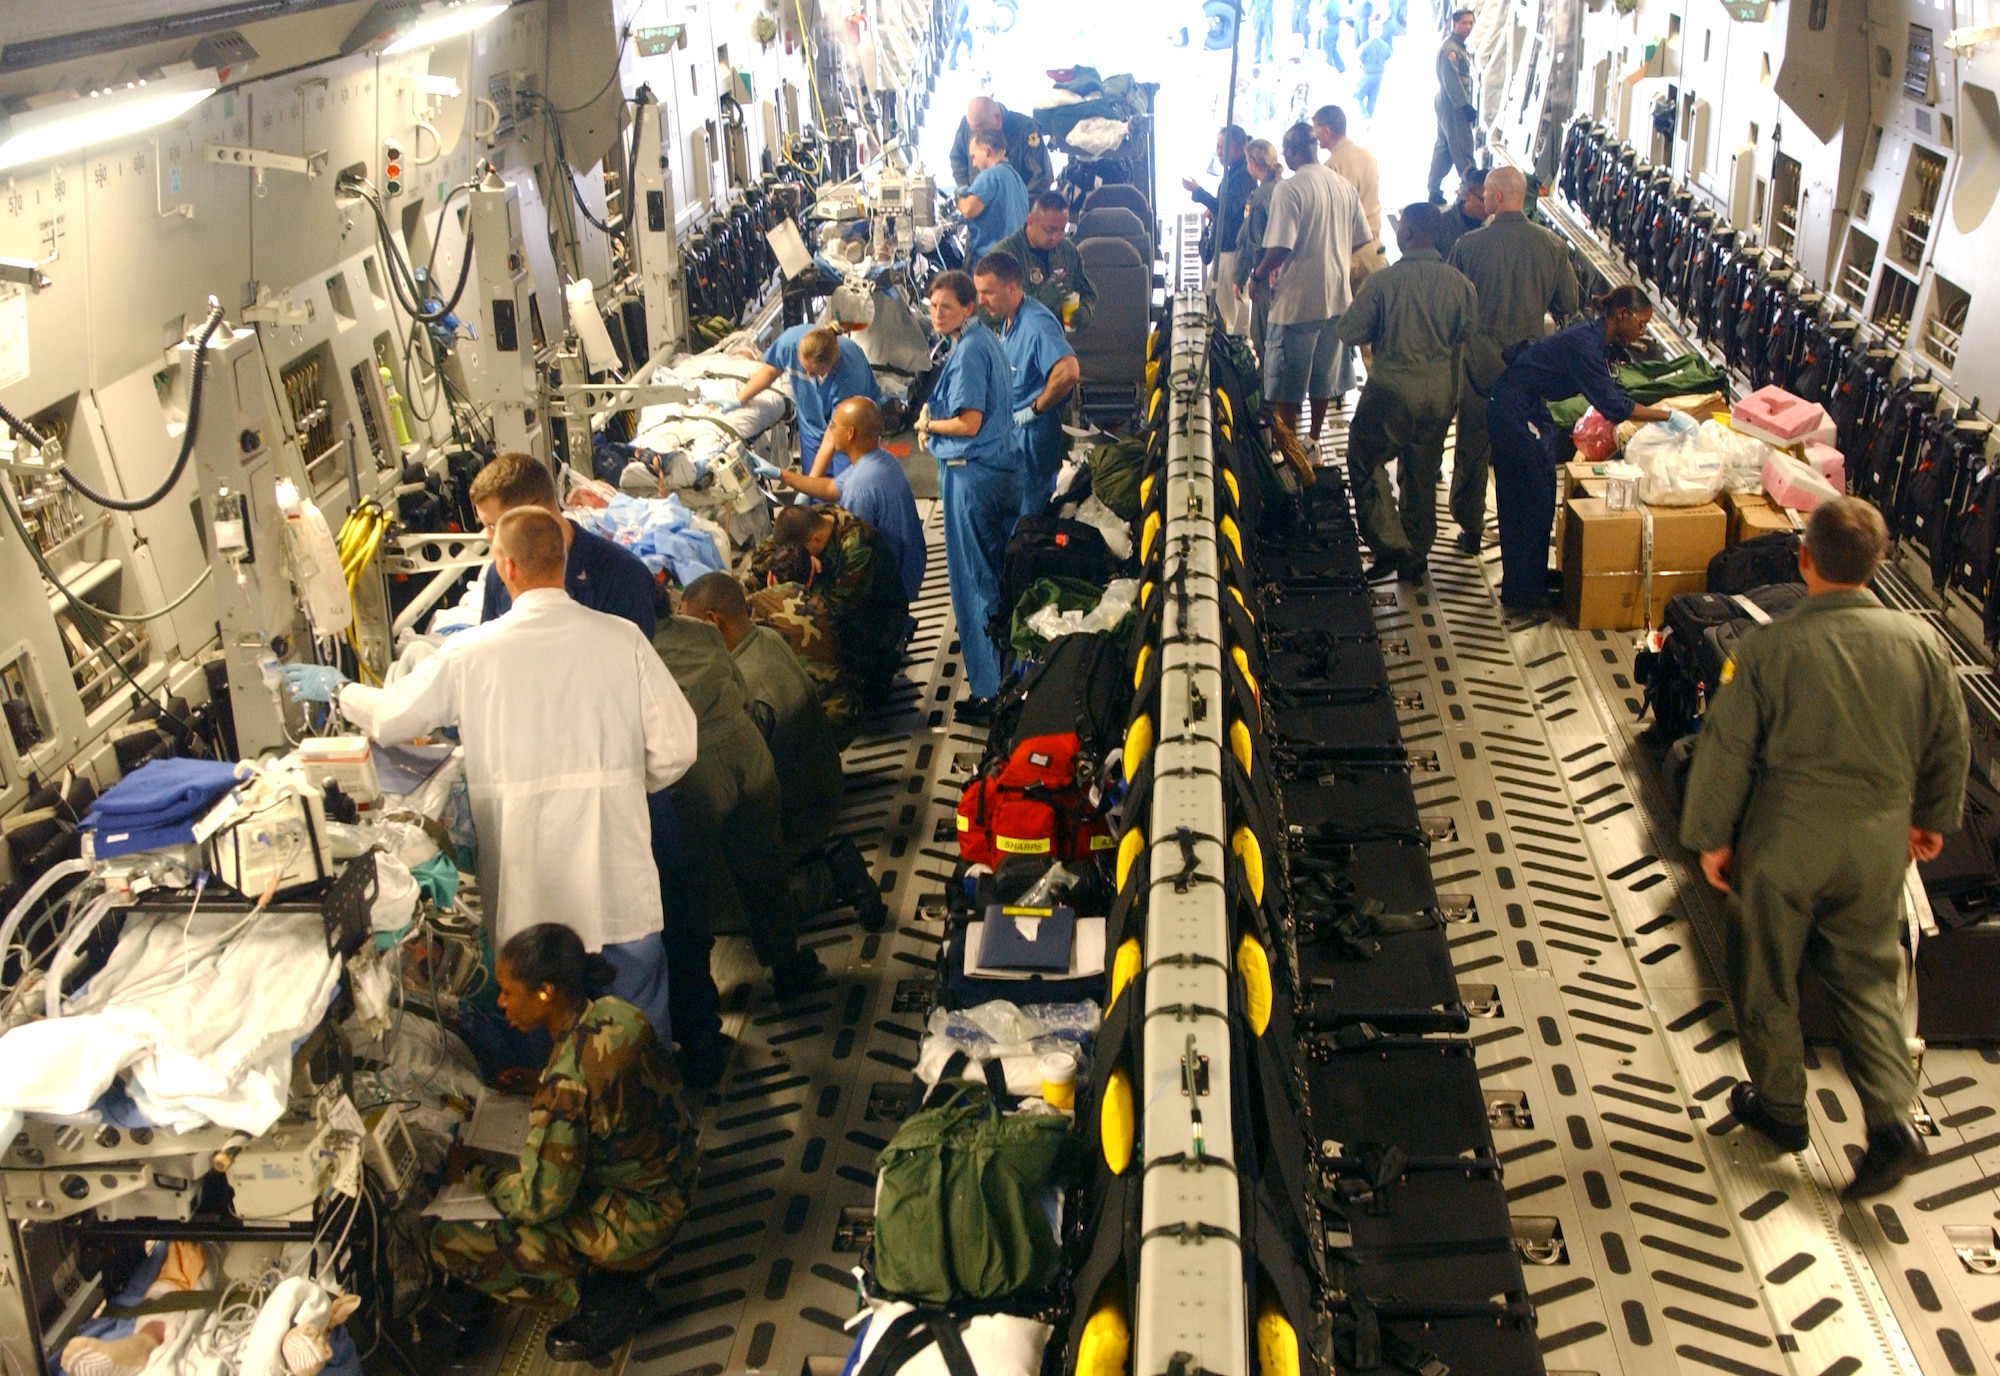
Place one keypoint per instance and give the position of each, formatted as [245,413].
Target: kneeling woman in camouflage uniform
[609,1164]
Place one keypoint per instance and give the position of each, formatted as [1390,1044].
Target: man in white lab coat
[568,720]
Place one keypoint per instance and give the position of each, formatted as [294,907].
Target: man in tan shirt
[1358,165]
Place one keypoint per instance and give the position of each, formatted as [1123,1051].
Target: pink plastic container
[1796,485]
[1776,416]
[1830,463]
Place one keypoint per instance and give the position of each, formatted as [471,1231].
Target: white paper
[789,248]
[13,334]
[499,1125]
[463,1203]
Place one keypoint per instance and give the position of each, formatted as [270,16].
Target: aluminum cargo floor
[1678,1242]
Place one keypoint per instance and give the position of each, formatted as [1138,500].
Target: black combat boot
[1893,1152]
[614,1307]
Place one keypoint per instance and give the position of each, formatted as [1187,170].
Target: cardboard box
[1701,405]
[1604,588]
[1577,481]
[1752,514]
[1576,474]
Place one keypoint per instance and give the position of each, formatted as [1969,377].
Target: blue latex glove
[313,682]
[764,469]
[1025,414]
[1681,423]
[728,405]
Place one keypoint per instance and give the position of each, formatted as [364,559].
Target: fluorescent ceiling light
[45,132]
[435,23]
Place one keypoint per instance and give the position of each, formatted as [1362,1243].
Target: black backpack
[1080,685]
[1756,563]
[1963,882]
[1979,538]
[1700,634]
[1049,547]
[1899,429]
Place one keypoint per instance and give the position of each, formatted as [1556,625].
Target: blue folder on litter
[1006,943]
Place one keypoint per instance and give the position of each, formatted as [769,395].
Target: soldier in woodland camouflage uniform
[852,569]
[801,618]
[609,1166]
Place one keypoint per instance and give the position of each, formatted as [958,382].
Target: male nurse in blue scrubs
[995,206]
[873,486]
[1045,373]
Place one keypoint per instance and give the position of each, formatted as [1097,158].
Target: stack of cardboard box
[1753,513]
[1610,583]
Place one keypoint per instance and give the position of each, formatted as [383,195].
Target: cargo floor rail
[1191,1292]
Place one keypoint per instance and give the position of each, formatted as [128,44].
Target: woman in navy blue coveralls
[1575,360]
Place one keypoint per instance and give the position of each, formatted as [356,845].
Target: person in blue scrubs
[655,973]
[968,425]
[1045,373]
[826,369]
[995,206]
[873,486]
[1575,361]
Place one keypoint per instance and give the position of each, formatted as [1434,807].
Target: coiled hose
[158,495]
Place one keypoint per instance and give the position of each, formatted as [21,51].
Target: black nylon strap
[1421,1251]
[957,1361]
[1188,960]
[906,1336]
[1190,1232]
[990,1069]
[1181,1012]
[1183,1161]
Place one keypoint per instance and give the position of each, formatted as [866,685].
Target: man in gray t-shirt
[1316,223]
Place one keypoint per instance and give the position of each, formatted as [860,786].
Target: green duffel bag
[1649,380]
[958,1200]
[1064,594]
[1114,475]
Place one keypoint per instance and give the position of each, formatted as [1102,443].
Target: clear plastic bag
[1109,613]
[1675,467]
[1742,456]
[1006,1024]
[1016,1036]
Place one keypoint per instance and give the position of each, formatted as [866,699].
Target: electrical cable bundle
[359,541]
[402,279]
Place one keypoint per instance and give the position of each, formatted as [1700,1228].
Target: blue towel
[157,805]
